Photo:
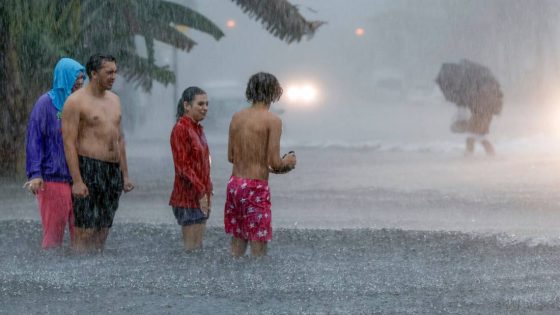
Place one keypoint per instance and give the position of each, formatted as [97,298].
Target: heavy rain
[427,142]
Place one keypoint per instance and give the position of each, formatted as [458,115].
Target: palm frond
[141,72]
[178,15]
[149,40]
[280,18]
[168,34]
[91,13]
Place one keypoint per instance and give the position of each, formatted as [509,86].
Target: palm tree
[34,34]
[111,26]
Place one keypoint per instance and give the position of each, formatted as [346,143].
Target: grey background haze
[379,87]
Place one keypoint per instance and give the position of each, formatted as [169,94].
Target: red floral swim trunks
[247,211]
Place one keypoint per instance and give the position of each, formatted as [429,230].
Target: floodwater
[357,230]
[361,271]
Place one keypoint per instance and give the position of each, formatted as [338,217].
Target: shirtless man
[95,152]
[254,150]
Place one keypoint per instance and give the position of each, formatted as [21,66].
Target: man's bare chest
[100,116]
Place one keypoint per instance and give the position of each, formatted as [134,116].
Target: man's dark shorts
[189,216]
[105,184]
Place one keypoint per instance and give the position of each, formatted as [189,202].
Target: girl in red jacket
[192,190]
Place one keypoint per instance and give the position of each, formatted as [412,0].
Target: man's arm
[127,184]
[276,164]
[70,127]
[123,162]
[230,137]
[273,154]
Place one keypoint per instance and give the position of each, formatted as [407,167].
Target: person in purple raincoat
[47,172]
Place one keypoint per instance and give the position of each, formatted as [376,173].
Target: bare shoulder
[113,97]
[274,117]
[238,116]
[273,120]
[79,94]
[73,102]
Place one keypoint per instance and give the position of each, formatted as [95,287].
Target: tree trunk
[13,113]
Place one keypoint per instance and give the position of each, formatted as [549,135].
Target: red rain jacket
[191,158]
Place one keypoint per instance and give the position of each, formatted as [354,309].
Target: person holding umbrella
[482,112]
[472,86]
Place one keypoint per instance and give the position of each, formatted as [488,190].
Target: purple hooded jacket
[45,149]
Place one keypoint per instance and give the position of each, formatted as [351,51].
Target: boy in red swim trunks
[254,151]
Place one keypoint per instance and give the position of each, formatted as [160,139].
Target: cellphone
[291,152]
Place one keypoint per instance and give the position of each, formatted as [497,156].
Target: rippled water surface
[356,231]
[143,270]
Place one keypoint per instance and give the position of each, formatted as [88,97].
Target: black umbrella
[470,84]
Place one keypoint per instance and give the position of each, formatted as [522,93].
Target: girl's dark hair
[263,87]
[188,96]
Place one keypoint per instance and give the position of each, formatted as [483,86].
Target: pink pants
[55,205]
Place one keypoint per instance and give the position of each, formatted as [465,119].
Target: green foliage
[41,32]
[35,34]
[280,18]
[111,25]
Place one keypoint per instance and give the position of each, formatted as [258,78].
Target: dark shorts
[105,184]
[189,216]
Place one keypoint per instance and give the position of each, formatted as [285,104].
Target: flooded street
[307,272]
[426,133]
[372,240]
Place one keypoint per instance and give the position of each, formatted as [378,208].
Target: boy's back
[254,142]
[254,150]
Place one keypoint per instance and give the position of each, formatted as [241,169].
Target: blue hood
[65,74]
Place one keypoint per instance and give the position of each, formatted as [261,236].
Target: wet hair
[188,96]
[96,61]
[263,87]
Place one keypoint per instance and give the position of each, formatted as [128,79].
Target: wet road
[143,270]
